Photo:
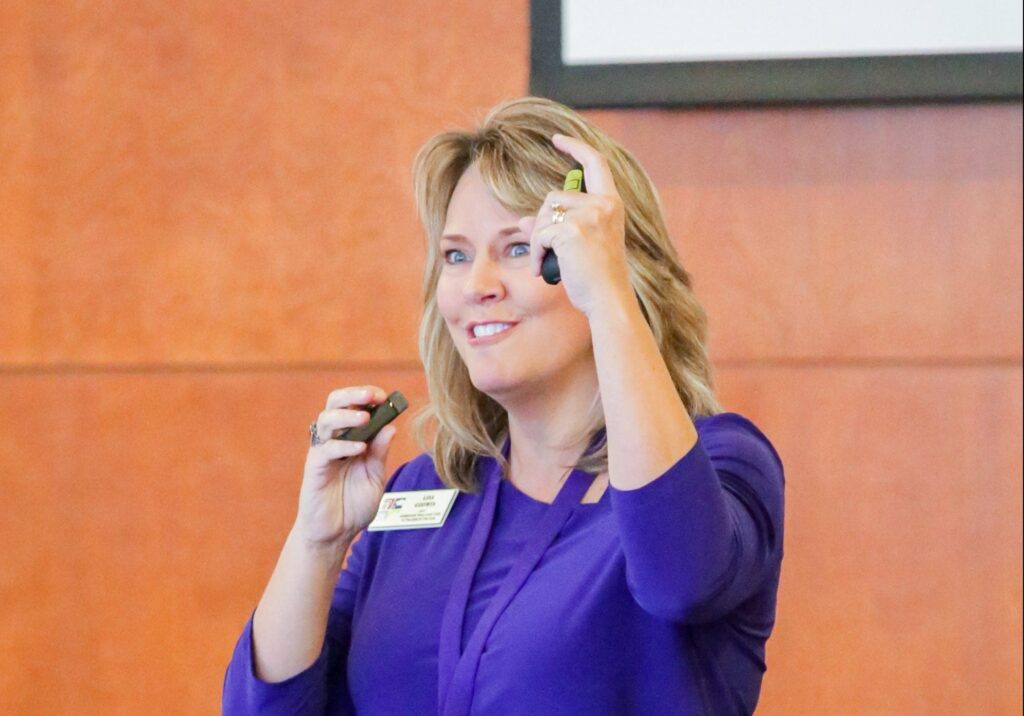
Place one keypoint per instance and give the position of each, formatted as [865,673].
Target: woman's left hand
[591,240]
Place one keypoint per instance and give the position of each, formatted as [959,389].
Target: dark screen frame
[827,80]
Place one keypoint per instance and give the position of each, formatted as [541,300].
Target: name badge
[413,509]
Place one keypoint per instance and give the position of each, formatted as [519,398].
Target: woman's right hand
[343,480]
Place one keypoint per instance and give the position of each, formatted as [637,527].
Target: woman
[616,541]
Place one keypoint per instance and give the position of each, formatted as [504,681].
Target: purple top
[657,600]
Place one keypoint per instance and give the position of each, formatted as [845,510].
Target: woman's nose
[484,281]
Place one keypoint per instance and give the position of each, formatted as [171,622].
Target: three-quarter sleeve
[707,534]
[321,687]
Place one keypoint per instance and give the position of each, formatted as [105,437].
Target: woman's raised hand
[343,480]
[589,236]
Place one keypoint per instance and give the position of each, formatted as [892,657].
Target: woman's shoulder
[416,474]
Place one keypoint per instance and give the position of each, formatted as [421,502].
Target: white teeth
[490,329]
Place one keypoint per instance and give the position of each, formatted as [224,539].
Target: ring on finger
[314,439]
[557,214]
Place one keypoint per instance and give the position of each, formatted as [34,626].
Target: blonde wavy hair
[513,152]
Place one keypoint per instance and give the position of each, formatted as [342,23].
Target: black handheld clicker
[549,267]
[380,415]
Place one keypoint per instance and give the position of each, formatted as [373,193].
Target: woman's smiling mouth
[489,332]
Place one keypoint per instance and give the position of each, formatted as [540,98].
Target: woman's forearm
[291,620]
[648,428]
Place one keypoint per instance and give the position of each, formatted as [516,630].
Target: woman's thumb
[378,447]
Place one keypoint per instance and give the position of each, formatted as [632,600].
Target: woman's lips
[487,340]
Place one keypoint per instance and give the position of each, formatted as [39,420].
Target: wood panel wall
[206,225]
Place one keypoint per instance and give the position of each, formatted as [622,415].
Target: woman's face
[518,336]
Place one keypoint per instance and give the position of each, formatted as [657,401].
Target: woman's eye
[454,256]
[520,249]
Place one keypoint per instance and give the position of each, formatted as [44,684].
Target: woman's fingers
[356,395]
[342,412]
[595,167]
[335,449]
[570,201]
[330,421]
[574,209]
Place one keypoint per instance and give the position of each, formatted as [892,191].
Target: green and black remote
[380,415]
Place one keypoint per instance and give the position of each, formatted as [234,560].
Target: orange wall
[206,225]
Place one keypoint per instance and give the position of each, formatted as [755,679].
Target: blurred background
[206,224]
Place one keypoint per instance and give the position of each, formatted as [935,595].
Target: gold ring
[557,214]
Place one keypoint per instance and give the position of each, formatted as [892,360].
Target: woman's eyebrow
[507,231]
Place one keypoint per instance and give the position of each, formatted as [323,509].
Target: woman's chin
[493,387]
[508,392]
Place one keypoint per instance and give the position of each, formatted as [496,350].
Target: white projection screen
[598,53]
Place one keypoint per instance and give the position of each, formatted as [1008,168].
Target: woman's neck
[546,439]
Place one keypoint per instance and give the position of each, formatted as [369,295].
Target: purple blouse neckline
[518,494]
[509,488]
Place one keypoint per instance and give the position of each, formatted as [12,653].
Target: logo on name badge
[389,505]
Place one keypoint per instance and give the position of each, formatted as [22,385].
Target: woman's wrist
[616,308]
[325,555]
